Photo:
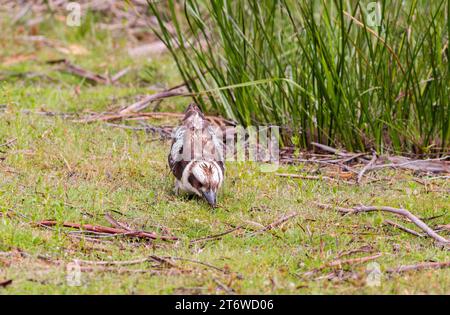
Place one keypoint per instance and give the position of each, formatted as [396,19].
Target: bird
[196,157]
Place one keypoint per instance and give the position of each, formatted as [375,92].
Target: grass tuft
[320,69]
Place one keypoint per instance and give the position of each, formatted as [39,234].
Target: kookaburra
[196,156]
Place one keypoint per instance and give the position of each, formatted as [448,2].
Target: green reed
[324,71]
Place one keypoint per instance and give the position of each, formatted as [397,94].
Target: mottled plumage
[196,156]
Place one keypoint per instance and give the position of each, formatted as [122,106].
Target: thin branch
[76,70]
[312,177]
[352,261]
[109,230]
[118,270]
[116,223]
[420,266]
[120,74]
[365,168]
[276,223]
[332,150]
[215,237]
[8,142]
[142,104]
[338,163]
[362,249]
[443,227]
[403,212]
[164,132]
[428,165]
[128,262]
[403,228]
[339,263]
[224,287]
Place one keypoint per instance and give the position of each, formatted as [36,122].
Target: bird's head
[206,178]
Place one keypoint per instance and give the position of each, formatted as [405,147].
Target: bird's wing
[175,158]
[195,139]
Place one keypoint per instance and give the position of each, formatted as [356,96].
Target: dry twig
[362,249]
[142,104]
[276,223]
[224,287]
[403,228]
[339,263]
[312,177]
[7,143]
[78,71]
[109,230]
[216,236]
[332,150]
[420,266]
[365,168]
[403,212]
[116,223]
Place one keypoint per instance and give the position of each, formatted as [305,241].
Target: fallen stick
[116,223]
[275,224]
[439,165]
[420,266]
[352,261]
[362,249]
[339,263]
[443,227]
[164,133]
[126,262]
[429,231]
[8,142]
[118,116]
[118,270]
[365,168]
[76,70]
[403,212]
[150,115]
[109,230]
[311,177]
[217,236]
[436,178]
[140,105]
[165,260]
[338,163]
[333,150]
[224,287]
[120,74]
[403,228]
[88,75]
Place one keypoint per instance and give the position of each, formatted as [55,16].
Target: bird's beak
[210,196]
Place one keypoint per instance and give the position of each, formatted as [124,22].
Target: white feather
[178,144]
[184,183]
[197,121]
[199,173]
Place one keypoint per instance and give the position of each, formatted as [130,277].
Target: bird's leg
[176,190]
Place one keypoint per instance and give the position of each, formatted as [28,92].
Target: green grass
[316,69]
[66,171]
